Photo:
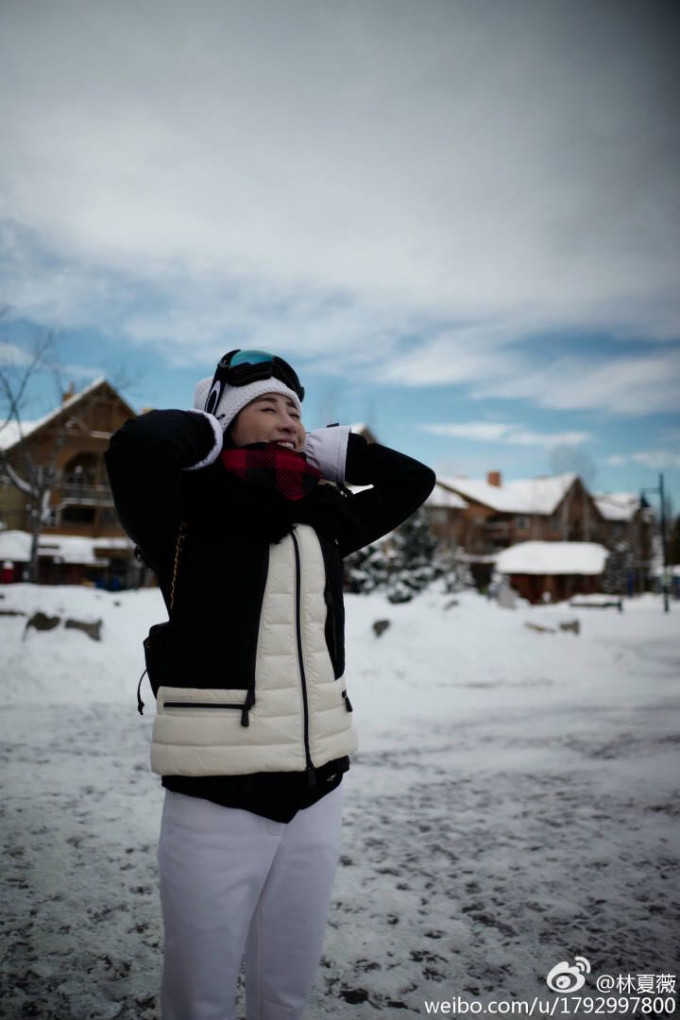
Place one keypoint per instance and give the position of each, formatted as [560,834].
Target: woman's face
[270,418]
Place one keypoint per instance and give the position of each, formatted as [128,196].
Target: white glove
[326,449]
[216,448]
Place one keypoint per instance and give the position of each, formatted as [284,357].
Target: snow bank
[513,803]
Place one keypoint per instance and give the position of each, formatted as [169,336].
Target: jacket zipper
[330,609]
[202,704]
[303,679]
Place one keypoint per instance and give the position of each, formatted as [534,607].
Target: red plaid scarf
[284,470]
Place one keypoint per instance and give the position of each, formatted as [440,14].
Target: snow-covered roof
[528,496]
[15,546]
[617,506]
[360,428]
[11,433]
[659,570]
[444,498]
[552,558]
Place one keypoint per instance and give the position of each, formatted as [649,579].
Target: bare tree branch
[32,479]
[13,390]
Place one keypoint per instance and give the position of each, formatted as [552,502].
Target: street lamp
[644,505]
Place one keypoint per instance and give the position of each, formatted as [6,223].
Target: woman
[231,506]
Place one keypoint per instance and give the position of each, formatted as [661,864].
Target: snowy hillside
[514,803]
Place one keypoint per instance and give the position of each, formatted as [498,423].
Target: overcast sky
[470,210]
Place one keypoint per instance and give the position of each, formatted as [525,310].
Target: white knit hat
[235,398]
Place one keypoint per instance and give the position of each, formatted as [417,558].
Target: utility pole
[664,546]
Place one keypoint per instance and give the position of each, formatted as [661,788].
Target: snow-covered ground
[514,804]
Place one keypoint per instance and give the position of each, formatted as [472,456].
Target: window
[81,470]
[71,514]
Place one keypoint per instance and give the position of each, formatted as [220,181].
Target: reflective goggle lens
[233,370]
[250,358]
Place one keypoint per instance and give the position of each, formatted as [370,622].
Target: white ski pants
[234,884]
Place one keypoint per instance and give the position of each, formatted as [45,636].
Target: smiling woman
[272,418]
[253,729]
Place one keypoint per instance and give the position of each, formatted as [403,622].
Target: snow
[441,497]
[15,546]
[552,558]
[617,506]
[527,496]
[513,804]
[12,432]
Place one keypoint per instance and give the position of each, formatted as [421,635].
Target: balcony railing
[90,493]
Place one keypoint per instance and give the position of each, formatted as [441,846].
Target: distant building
[483,518]
[364,430]
[445,510]
[497,515]
[629,525]
[68,443]
[553,571]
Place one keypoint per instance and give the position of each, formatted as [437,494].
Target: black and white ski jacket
[255,675]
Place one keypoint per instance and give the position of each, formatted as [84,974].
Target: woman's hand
[326,449]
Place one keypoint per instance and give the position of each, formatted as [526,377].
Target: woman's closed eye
[291,414]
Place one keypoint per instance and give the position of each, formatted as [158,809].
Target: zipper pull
[247,705]
[140,703]
[348,703]
[311,775]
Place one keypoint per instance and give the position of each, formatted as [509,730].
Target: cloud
[13,356]
[483,431]
[490,360]
[659,460]
[621,385]
[505,167]
[504,433]
[73,371]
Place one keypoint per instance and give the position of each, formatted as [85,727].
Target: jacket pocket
[180,700]
[203,704]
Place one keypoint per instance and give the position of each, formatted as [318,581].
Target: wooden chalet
[67,446]
[553,571]
[484,518]
[495,515]
[628,528]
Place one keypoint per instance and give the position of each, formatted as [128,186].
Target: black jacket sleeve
[399,483]
[145,461]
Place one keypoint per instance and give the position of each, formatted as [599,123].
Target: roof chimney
[494,478]
[70,392]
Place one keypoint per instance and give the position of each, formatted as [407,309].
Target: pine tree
[366,570]
[619,564]
[415,561]
[401,564]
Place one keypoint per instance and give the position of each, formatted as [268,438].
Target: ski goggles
[238,368]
